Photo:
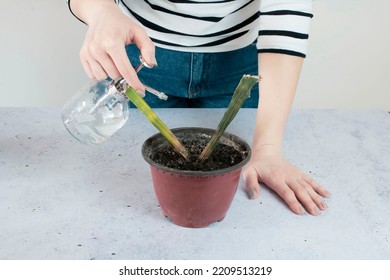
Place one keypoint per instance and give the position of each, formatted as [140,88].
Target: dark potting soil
[222,157]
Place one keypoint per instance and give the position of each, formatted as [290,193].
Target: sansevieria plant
[241,93]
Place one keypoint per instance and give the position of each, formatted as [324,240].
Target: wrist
[261,147]
[265,152]
[269,131]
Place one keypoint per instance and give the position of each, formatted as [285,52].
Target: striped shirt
[278,26]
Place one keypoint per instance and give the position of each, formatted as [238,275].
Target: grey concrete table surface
[63,200]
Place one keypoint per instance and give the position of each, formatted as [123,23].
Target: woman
[203,48]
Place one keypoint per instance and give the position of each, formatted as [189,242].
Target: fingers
[106,56]
[315,196]
[294,194]
[317,187]
[251,183]
[289,196]
[306,193]
[100,63]
[306,196]
[94,70]
[298,191]
[90,57]
[87,68]
[146,47]
[108,66]
[121,60]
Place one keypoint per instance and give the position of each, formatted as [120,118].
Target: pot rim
[199,173]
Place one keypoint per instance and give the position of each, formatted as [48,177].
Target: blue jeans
[197,80]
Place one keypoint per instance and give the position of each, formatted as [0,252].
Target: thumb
[149,55]
[251,183]
[146,47]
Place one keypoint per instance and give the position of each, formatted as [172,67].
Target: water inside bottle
[97,128]
[94,119]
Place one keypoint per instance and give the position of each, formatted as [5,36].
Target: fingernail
[317,211]
[153,61]
[301,210]
[252,193]
[324,205]
[141,93]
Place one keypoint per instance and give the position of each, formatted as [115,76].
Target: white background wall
[347,65]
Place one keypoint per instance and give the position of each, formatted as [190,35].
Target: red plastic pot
[195,198]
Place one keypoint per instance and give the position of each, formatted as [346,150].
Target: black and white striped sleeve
[284,26]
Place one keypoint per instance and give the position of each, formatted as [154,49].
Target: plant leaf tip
[257,77]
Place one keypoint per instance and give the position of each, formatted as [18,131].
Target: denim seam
[191,78]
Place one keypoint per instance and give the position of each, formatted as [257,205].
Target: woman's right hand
[103,53]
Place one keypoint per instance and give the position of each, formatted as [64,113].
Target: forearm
[280,75]
[86,10]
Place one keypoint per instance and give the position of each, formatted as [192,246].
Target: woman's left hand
[299,191]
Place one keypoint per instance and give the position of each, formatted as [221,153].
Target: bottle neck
[118,87]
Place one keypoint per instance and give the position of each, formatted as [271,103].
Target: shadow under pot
[191,194]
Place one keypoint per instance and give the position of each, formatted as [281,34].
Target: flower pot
[196,196]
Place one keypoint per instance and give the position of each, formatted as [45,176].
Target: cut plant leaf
[140,103]
[241,93]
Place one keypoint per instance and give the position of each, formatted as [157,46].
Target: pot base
[194,201]
[190,224]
